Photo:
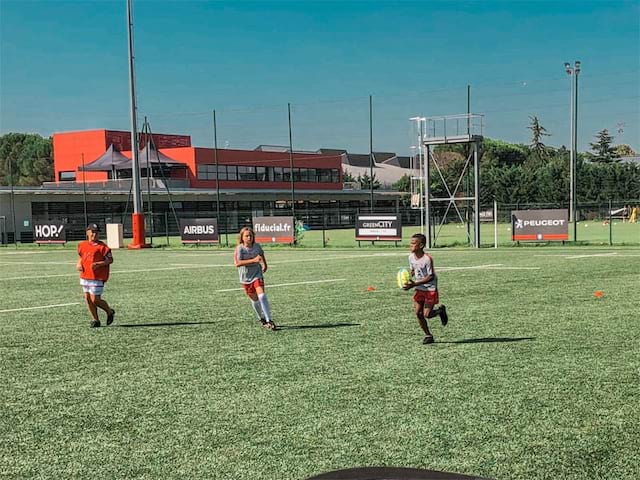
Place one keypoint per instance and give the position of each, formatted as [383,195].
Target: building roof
[107,162]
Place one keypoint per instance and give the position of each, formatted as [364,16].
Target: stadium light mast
[573,72]
[424,202]
[137,217]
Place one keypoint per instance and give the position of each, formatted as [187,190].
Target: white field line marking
[115,272]
[189,266]
[37,263]
[612,254]
[442,269]
[573,255]
[41,276]
[200,254]
[2,254]
[514,268]
[299,260]
[286,284]
[40,307]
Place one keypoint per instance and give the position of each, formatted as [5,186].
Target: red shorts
[250,288]
[426,297]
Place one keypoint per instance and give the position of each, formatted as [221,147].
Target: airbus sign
[199,230]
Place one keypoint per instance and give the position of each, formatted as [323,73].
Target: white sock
[264,303]
[258,309]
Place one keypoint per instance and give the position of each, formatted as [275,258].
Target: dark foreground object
[391,473]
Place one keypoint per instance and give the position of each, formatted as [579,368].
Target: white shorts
[94,287]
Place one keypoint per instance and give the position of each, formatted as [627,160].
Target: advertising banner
[274,229]
[199,230]
[379,227]
[49,233]
[537,225]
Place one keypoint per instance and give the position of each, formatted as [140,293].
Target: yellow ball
[403,277]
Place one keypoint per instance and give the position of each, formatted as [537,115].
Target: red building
[235,169]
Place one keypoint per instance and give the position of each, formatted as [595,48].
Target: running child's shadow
[171,324]
[491,340]
[322,325]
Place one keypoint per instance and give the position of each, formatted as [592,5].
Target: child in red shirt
[93,265]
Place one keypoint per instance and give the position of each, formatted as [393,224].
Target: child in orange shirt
[93,265]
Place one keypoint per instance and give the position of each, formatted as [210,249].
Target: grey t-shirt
[249,273]
[423,267]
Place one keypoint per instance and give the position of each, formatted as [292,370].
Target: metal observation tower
[433,131]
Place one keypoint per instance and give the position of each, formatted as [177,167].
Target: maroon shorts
[426,297]
[250,288]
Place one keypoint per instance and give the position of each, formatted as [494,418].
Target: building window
[67,176]
[232,172]
[206,172]
[246,173]
[311,175]
[335,175]
[325,175]
[278,174]
[261,174]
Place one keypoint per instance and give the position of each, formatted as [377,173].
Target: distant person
[93,265]
[425,283]
[251,262]
[633,218]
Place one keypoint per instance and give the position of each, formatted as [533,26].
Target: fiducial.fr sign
[274,229]
[540,225]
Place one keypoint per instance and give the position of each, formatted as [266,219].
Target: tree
[403,185]
[623,150]
[604,152]
[27,156]
[537,134]
[499,153]
[365,181]
[347,177]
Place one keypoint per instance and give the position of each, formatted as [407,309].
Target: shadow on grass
[492,340]
[172,324]
[323,325]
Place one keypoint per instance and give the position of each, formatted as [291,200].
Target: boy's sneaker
[427,340]
[110,317]
[263,322]
[94,323]
[271,326]
[444,318]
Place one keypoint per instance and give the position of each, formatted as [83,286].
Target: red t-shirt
[91,252]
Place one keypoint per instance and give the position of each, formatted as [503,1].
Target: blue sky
[63,66]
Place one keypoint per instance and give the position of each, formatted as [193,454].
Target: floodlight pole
[371,153]
[573,72]
[137,217]
[293,184]
[84,193]
[215,157]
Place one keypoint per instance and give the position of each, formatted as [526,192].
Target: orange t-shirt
[91,252]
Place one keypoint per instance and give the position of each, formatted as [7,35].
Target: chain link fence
[610,223]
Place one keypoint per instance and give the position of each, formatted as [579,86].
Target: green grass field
[533,378]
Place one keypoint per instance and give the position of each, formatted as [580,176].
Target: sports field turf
[534,377]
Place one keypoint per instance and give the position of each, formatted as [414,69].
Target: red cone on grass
[599,294]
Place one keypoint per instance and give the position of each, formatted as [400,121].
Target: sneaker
[271,326]
[427,340]
[444,318]
[94,323]
[110,317]
[263,322]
